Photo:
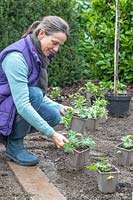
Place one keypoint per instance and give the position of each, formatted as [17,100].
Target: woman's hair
[51,25]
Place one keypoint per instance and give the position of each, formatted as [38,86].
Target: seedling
[100,102]
[125,151]
[79,102]
[103,165]
[96,112]
[77,141]
[127,141]
[55,92]
[66,119]
[96,90]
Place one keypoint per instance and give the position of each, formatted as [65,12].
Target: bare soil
[74,184]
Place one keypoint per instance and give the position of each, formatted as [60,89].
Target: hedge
[16,16]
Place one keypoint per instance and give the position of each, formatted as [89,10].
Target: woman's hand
[64,109]
[59,139]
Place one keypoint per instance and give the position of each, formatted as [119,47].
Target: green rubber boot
[16,152]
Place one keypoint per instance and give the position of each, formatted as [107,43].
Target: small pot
[91,125]
[102,120]
[78,124]
[125,156]
[88,96]
[79,158]
[107,181]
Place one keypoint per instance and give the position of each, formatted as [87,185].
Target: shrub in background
[97,18]
[15,18]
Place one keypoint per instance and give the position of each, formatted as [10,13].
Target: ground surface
[75,185]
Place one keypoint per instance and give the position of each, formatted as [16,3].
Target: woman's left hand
[64,109]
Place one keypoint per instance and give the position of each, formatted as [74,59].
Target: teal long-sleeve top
[16,70]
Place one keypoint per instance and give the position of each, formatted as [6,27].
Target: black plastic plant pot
[118,106]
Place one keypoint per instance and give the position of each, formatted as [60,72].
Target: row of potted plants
[83,118]
[117,106]
[78,149]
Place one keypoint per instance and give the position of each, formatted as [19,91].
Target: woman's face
[50,44]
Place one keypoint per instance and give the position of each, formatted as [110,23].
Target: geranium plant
[77,141]
[96,90]
[125,151]
[96,112]
[79,102]
[55,92]
[66,119]
[127,141]
[107,175]
[103,165]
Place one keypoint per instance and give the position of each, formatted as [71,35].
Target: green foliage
[127,141]
[97,19]
[109,85]
[96,112]
[77,140]
[66,119]
[103,165]
[96,90]
[82,112]
[100,102]
[55,92]
[16,16]
[79,102]
[93,112]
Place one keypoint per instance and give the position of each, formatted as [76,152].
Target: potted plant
[125,151]
[78,120]
[86,118]
[107,86]
[92,92]
[55,94]
[118,104]
[103,104]
[78,149]
[107,175]
[67,118]
[95,113]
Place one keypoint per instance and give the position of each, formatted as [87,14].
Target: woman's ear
[41,34]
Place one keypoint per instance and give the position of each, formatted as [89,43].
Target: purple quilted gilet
[7,107]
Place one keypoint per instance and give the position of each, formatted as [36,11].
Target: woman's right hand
[59,139]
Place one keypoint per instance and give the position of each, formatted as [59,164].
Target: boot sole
[10,158]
